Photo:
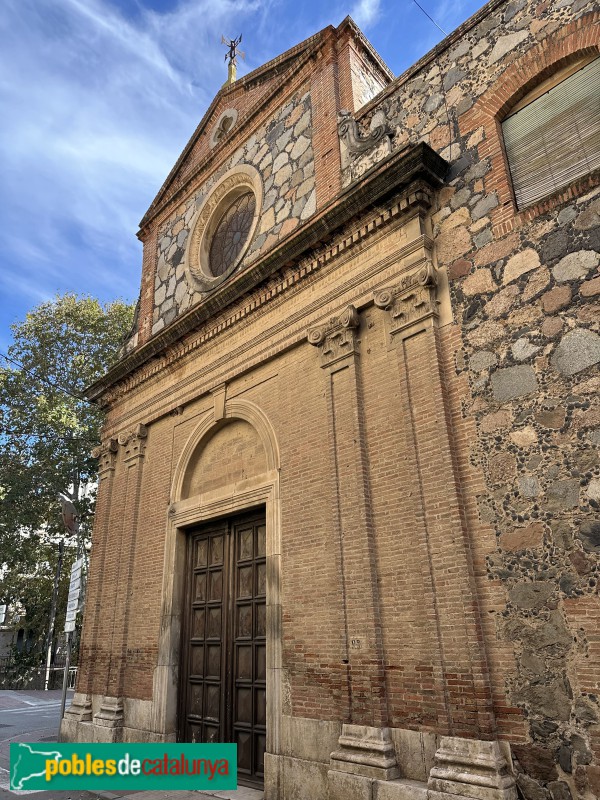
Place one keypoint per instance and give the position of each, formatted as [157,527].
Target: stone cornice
[274,339]
[417,170]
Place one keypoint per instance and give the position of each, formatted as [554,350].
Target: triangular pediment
[249,97]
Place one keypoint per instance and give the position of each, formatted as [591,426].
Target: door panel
[248,718]
[223,696]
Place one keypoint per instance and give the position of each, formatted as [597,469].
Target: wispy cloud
[96,108]
[365,13]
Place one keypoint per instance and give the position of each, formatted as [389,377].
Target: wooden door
[223,696]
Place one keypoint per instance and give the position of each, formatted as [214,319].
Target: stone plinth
[470,768]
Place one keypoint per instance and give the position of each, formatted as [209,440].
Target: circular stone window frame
[238,181]
[215,139]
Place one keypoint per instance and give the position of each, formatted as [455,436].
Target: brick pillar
[345,55]
[149,240]
[365,744]
[91,645]
[324,94]
[110,716]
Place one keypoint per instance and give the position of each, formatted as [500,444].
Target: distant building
[349,479]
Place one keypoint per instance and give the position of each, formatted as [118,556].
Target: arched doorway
[221,619]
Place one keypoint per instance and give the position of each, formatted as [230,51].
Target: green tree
[47,432]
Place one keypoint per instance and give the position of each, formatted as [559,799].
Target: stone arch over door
[237,432]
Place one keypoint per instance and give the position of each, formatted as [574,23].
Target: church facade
[349,478]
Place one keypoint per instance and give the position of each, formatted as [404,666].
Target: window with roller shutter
[552,136]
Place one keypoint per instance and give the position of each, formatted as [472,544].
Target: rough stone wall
[530,345]
[524,287]
[282,153]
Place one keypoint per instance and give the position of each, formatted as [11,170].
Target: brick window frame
[579,38]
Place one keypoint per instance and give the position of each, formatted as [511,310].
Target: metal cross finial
[233,52]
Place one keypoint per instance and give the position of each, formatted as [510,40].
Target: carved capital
[133,442]
[337,339]
[354,141]
[412,301]
[106,453]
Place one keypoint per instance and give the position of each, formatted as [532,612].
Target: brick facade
[402,372]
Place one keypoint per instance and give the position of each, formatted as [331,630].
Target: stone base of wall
[97,718]
[325,760]
[73,731]
[464,769]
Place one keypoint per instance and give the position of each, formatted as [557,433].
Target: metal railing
[34,677]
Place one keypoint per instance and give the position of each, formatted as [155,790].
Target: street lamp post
[61,547]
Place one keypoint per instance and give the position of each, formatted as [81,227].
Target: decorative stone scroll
[412,302]
[336,340]
[361,152]
[106,453]
[133,442]
[350,135]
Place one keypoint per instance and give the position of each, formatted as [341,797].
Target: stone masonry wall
[282,153]
[524,287]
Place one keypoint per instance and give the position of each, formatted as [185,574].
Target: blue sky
[99,97]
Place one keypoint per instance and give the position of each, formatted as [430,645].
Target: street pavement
[33,716]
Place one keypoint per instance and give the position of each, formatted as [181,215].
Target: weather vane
[232,55]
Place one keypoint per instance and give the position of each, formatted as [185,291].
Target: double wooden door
[223,697]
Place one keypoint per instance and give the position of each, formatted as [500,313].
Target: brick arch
[236,409]
[579,38]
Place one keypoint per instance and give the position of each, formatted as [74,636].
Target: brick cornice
[419,168]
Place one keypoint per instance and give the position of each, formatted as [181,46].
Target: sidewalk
[238,794]
[30,706]
[242,793]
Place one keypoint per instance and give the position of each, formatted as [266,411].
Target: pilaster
[106,453]
[365,747]
[132,443]
[460,674]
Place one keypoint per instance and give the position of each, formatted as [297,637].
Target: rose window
[231,233]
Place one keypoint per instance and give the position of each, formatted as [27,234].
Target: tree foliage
[47,432]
